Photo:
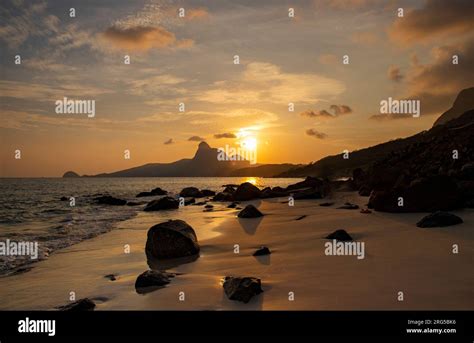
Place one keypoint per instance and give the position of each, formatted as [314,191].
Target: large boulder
[191,192]
[422,195]
[223,196]
[309,182]
[171,239]
[110,200]
[246,191]
[208,192]
[310,193]
[166,203]
[242,288]
[250,211]
[439,219]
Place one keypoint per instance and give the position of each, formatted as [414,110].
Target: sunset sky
[190,60]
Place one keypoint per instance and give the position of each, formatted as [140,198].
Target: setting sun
[249,143]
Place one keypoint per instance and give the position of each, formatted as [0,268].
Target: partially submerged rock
[84,304]
[250,211]
[242,288]
[246,191]
[233,205]
[326,204]
[153,192]
[340,235]
[151,280]
[223,196]
[439,219]
[262,251]
[166,203]
[110,200]
[111,277]
[191,192]
[171,239]
[208,192]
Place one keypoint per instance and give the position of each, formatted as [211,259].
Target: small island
[71,174]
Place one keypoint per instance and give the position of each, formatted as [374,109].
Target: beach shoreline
[399,257]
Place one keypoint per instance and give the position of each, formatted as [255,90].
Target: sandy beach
[398,257]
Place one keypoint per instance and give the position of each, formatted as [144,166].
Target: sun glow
[247,140]
[249,143]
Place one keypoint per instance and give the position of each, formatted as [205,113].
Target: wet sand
[398,257]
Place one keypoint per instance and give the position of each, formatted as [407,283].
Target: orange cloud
[394,73]
[197,13]
[436,18]
[142,38]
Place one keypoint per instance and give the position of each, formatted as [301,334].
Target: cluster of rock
[310,188]
[434,173]
[153,192]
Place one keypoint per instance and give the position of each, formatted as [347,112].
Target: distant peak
[203,145]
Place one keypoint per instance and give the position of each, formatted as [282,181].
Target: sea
[31,209]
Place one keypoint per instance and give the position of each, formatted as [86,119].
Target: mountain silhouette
[204,163]
[463,103]
[336,166]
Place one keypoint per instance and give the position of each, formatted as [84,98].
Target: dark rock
[233,205]
[64,199]
[349,206]
[80,305]
[208,193]
[439,219]
[250,211]
[223,196]
[171,239]
[326,204]
[359,177]
[133,203]
[154,192]
[311,182]
[301,217]
[110,200]
[310,193]
[242,288]
[262,251]
[273,193]
[364,191]
[191,192]
[151,280]
[166,203]
[209,206]
[189,201]
[111,277]
[158,191]
[246,191]
[340,235]
[365,211]
[422,195]
[144,194]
